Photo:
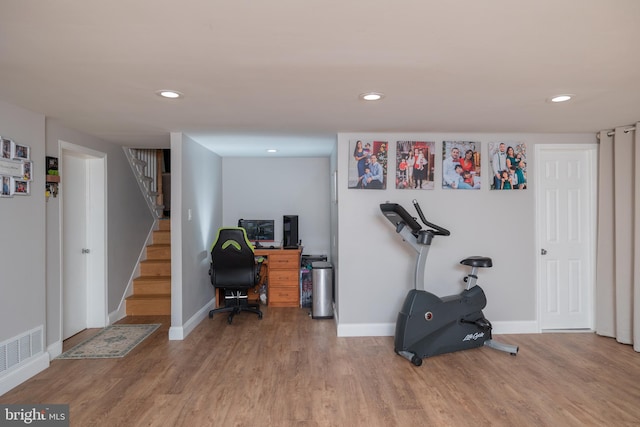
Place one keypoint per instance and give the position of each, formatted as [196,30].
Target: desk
[283,276]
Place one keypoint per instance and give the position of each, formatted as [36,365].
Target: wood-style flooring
[290,370]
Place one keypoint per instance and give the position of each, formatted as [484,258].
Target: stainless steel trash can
[322,290]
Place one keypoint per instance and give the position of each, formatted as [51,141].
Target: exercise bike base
[411,357]
[507,348]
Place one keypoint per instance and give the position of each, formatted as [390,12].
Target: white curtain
[618,259]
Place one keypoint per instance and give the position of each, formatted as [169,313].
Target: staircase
[152,289]
[147,166]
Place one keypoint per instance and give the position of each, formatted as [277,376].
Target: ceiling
[287,73]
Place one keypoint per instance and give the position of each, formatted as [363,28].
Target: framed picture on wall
[21,187]
[7,148]
[27,170]
[415,165]
[508,163]
[461,165]
[367,164]
[52,165]
[7,186]
[22,152]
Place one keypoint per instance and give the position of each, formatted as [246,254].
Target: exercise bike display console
[429,325]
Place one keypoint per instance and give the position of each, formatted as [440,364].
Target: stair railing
[146,167]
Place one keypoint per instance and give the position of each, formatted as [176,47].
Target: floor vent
[16,350]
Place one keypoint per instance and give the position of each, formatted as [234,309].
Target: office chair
[234,271]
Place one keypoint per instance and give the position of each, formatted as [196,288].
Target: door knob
[543,251]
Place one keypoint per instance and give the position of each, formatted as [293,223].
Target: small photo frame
[52,166]
[21,152]
[21,187]
[7,148]
[27,170]
[6,190]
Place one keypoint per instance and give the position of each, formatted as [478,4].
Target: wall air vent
[16,350]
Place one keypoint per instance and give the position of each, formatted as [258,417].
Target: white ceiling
[256,74]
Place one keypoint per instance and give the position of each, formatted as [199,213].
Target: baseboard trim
[54,350]
[389,329]
[118,314]
[24,372]
[516,327]
[177,333]
[366,330]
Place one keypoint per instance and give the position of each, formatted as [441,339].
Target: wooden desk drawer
[284,260]
[285,277]
[283,296]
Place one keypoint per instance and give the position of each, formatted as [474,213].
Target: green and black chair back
[234,271]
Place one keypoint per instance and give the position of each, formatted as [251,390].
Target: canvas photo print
[368,164]
[461,165]
[508,162]
[415,165]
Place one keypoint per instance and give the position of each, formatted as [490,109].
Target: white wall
[268,188]
[376,267]
[196,215]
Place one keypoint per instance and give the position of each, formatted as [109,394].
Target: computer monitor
[258,230]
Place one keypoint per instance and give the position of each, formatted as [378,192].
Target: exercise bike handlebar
[439,231]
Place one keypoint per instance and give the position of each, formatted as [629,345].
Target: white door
[566,212]
[83,259]
[74,241]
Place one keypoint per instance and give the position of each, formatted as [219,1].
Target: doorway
[566,182]
[83,239]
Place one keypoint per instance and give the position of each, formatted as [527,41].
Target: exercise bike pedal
[484,324]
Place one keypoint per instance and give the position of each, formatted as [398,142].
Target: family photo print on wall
[508,165]
[414,165]
[461,165]
[368,164]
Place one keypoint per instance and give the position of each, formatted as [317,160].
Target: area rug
[113,341]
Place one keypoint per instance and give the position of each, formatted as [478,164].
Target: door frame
[592,174]
[96,162]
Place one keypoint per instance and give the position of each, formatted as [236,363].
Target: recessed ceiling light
[371,96]
[172,94]
[272,150]
[561,98]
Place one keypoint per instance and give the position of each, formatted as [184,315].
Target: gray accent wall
[30,240]
[268,188]
[376,267]
[196,215]
[22,232]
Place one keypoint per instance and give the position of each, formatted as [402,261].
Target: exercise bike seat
[477,261]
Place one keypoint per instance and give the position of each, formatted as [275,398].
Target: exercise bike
[428,325]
